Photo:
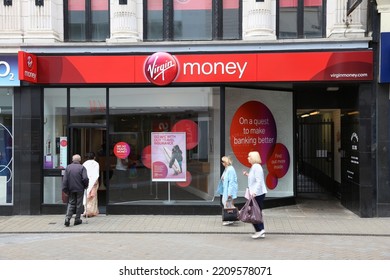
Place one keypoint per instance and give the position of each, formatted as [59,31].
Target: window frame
[168,21]
[300,20]
[88,22]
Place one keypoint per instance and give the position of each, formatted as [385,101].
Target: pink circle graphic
[271,181]
[146,156]
[63,143]
[187,182]
[253,128]
[122,150]
[191,130]
[160,170]
[161,68]
[279,162]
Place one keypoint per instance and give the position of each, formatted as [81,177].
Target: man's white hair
[76,157]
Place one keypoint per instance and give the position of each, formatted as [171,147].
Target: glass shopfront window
[87,129]
[133,115]
[88,105]
[254,120]
[261,120]
[6,146]
[137,113]
[126,148]
[55,143]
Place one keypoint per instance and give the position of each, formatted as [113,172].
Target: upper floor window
[192,20]
[301,19]
[86,20]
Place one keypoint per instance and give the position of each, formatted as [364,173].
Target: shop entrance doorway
[87,138]
[315,156]
[318,145]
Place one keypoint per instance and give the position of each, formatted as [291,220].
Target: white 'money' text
[207,68]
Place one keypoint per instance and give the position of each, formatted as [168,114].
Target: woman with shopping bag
[257,188]
[227,187]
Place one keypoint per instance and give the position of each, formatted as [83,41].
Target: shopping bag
[247,194]
[250,212]
[230,213]
[65,197]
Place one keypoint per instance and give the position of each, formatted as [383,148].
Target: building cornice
[383,6]
[199,47]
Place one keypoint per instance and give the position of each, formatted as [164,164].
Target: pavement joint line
[199,233]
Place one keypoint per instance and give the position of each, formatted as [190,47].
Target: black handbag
[229,214]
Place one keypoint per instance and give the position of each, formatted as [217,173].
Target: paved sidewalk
[309,216]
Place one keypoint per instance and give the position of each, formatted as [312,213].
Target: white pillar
[384,10]
[10,23]
[259,20]
[123,22]
[339,25]
[41,23]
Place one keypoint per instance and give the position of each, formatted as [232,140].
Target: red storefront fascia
[326,66]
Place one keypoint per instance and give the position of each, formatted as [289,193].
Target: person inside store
[74,183]
[121,172]
[257,188]
[227,186]
[91,199]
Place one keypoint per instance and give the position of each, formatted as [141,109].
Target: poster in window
[168,157]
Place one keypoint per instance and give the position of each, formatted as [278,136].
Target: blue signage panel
[9,75]
[384,62]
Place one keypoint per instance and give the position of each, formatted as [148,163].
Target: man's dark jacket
[75,178]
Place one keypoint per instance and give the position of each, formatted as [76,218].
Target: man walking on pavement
[74,183]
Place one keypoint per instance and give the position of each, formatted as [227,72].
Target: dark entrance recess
[318,171]
[315,156]
[87,138]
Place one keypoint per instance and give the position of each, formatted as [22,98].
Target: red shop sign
[163,68]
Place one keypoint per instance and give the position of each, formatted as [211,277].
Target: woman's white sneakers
[256,235]
[259,234]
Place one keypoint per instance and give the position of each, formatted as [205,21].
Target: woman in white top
[91,204]
[257,187]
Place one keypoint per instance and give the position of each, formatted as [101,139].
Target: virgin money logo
[161,68]
[29,62]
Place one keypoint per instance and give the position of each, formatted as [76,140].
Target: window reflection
[192,20]
[6,146]
[301,19]
[54,132]
[154,15]
[87,20]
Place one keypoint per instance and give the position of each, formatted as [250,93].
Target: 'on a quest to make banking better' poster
[262,121]
[169,156]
